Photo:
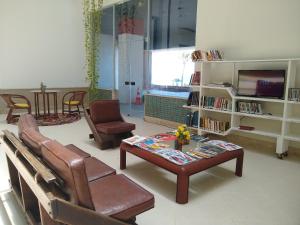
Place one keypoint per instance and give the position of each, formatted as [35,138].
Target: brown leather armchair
[13,102]
[107,124]
[72,99]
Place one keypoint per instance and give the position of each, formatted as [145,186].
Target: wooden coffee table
[183,172]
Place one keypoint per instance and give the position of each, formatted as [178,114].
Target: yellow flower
[180,129]
[188,137]
[177,134]
[186,133]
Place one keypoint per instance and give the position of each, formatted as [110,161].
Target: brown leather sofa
[107,124]
[88,182]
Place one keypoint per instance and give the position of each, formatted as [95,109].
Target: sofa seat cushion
[33,140]
[96,169]
[115,127]
[78,151]
[119,197]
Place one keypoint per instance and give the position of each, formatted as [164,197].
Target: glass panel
[106,65]
[173,23]
[131,30]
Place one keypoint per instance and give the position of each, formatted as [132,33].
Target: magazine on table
[224,145]
[165,137]
[133,140]
[174,156]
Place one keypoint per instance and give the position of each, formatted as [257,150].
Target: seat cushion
[96,169]
[119,197]
[78,151]
[71,102]
[102,111]
[22,105]
[115,127]
[33,140]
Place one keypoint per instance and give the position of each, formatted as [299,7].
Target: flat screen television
[261,83]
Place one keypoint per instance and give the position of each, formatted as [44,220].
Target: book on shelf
[249,107]
[209,124]
[195,78]
[224,145]
[210,55]
[191,119]
[218,103]
[193,98]
[294,94]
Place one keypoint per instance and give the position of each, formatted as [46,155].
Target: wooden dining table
[42,100]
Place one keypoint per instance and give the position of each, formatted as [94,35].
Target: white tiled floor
[267,194]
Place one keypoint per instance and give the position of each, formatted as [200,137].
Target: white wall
[250,29]
[41,40]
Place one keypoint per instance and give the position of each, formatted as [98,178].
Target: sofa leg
[132,221]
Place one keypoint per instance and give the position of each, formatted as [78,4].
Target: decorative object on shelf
[294,94]
[210,55]
[43,87]
[249,107]
[183,137]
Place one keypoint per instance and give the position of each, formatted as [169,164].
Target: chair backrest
[78,96]
[102,111]
[70,167]
[8,100]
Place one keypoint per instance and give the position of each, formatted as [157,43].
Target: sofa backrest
[102,111]
[70,167]
[26,121]
[33,140]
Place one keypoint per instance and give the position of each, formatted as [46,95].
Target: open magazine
[224,145]
[174,156]
[134,140]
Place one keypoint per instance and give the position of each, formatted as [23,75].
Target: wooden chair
[72,99]
[13,102]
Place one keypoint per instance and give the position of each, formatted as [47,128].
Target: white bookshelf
[281,120]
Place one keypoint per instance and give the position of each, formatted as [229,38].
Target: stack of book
[294,94]
[218,103]
[214,125]
[195,78]
[193,98]
[249,107]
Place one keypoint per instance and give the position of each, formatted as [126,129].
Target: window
[172,67]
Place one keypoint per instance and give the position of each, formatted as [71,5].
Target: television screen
[261,83]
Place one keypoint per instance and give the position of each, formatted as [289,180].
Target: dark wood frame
[72,96]
[183,172]
[34,186]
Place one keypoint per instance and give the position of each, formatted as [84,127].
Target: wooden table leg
[182,193]
[239,165]
[48,104]
[55,103]
[35,104]
[122,159]
[38,104]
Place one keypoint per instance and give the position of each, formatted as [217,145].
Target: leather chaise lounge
[88,182]
[107,124]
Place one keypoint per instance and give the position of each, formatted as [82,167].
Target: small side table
[45,96]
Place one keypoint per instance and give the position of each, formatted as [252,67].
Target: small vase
[178,145]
